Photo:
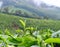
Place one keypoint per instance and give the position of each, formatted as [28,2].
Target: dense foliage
[27,25]
[12,23]
[29,37]
[18,12]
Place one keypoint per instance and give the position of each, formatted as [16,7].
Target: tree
[6,10]
[18,12]
[46,17]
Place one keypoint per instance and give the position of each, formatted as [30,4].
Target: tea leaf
[53,40]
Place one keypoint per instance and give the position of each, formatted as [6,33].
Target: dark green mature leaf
[14,41]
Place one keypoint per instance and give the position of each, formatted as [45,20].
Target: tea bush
[28,37]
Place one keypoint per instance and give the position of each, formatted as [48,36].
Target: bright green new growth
[28,36]
[53,40]
[22,23]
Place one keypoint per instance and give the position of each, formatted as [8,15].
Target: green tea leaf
[53,40]
[22,22]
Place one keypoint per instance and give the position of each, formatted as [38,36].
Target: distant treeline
[19,12]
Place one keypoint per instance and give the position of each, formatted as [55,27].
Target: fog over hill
[34,6]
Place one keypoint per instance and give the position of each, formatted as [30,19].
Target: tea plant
[28,37]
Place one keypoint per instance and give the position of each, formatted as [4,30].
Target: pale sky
[50,2]
[1,3]
[37,2]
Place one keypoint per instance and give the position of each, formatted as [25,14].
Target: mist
[48,2]
[1,3]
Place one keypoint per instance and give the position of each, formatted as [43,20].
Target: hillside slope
[43,10]
[12,23]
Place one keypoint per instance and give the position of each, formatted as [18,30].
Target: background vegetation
[12,22]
